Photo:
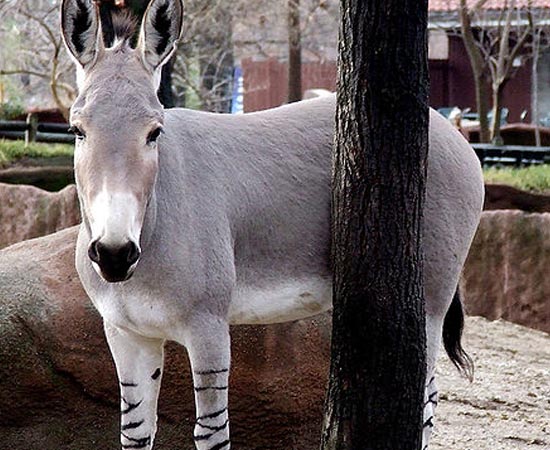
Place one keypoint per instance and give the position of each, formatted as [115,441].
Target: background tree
[36,50]
[294,52]
[377,375]
[498,43]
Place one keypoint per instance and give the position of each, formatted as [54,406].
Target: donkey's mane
[124,27]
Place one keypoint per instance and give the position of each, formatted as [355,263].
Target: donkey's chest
[143,311]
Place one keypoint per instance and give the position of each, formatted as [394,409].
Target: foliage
[11,110]
[34,49]
[11,151]
[533,178]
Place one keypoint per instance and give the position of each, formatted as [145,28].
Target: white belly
[280,301]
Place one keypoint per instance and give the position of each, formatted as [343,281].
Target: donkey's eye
[77,132]
[154,135]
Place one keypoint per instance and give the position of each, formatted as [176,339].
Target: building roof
[452,5]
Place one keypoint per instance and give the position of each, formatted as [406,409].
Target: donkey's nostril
[93,252]
[114,262]
[133,253]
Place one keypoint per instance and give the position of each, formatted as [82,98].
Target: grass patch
[12,151]
[533,178]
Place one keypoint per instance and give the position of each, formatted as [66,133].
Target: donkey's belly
[280,301]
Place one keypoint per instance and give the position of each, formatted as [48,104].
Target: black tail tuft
[452,335]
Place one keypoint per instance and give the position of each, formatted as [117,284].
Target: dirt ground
[508,404]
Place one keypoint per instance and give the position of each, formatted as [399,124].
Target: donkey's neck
[150,220]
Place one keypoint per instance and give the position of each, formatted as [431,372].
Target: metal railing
[511,155]
[33,131]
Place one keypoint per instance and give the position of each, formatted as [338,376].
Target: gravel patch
[508,404]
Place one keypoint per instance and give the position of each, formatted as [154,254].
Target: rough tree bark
[294,52]
[377,375]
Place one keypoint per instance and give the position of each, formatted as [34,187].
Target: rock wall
[507,274]
[27,212]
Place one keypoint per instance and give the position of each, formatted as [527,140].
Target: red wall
[265,82]
[452,84]
[461,92]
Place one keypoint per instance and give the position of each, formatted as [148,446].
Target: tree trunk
[377,375]
[496,138]
[482,102]
[479,70]
[535,88]
[294,52]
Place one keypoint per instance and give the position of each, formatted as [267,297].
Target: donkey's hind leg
[139,362]
[208,346]
[430,403]
[434,324]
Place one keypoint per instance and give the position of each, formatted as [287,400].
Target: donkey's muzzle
[114,262]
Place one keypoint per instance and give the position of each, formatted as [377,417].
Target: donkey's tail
[452,335]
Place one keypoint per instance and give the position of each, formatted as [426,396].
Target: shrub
[11,110]
[11,151]
[533,178]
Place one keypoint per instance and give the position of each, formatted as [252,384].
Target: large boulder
[27,212]
[507,270]
[58,386]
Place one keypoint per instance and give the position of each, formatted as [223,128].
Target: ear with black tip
[81,30]
[160,31]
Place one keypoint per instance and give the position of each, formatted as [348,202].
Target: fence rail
[33,131]
[511,155]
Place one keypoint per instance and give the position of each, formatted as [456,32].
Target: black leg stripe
[125,384]
[214,428]
[210,388]
[220,445]
[431,399]
[203,437]
[141,445]
[131,425]
[428,423]
[139,440]
[131,406]
[136,442]
[212,415]
[211,372]
[156,374]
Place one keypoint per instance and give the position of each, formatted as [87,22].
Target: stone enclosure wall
[507,272]
[27,212]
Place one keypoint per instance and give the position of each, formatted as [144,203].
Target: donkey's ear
[81,30]
[160,31]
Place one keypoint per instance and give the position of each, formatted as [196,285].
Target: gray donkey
[194,221]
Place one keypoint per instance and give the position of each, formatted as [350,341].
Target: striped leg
[139,363]
[209,353]
[430,402]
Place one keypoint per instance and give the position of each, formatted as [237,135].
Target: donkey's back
[260,182]
[262,179]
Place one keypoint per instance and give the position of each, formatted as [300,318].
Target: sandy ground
[508,404]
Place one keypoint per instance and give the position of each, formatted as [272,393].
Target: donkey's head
[117,120]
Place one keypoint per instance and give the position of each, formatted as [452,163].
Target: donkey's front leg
[139,363]
[208,346]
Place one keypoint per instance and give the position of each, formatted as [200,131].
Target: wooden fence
[33,131]
[266,82]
